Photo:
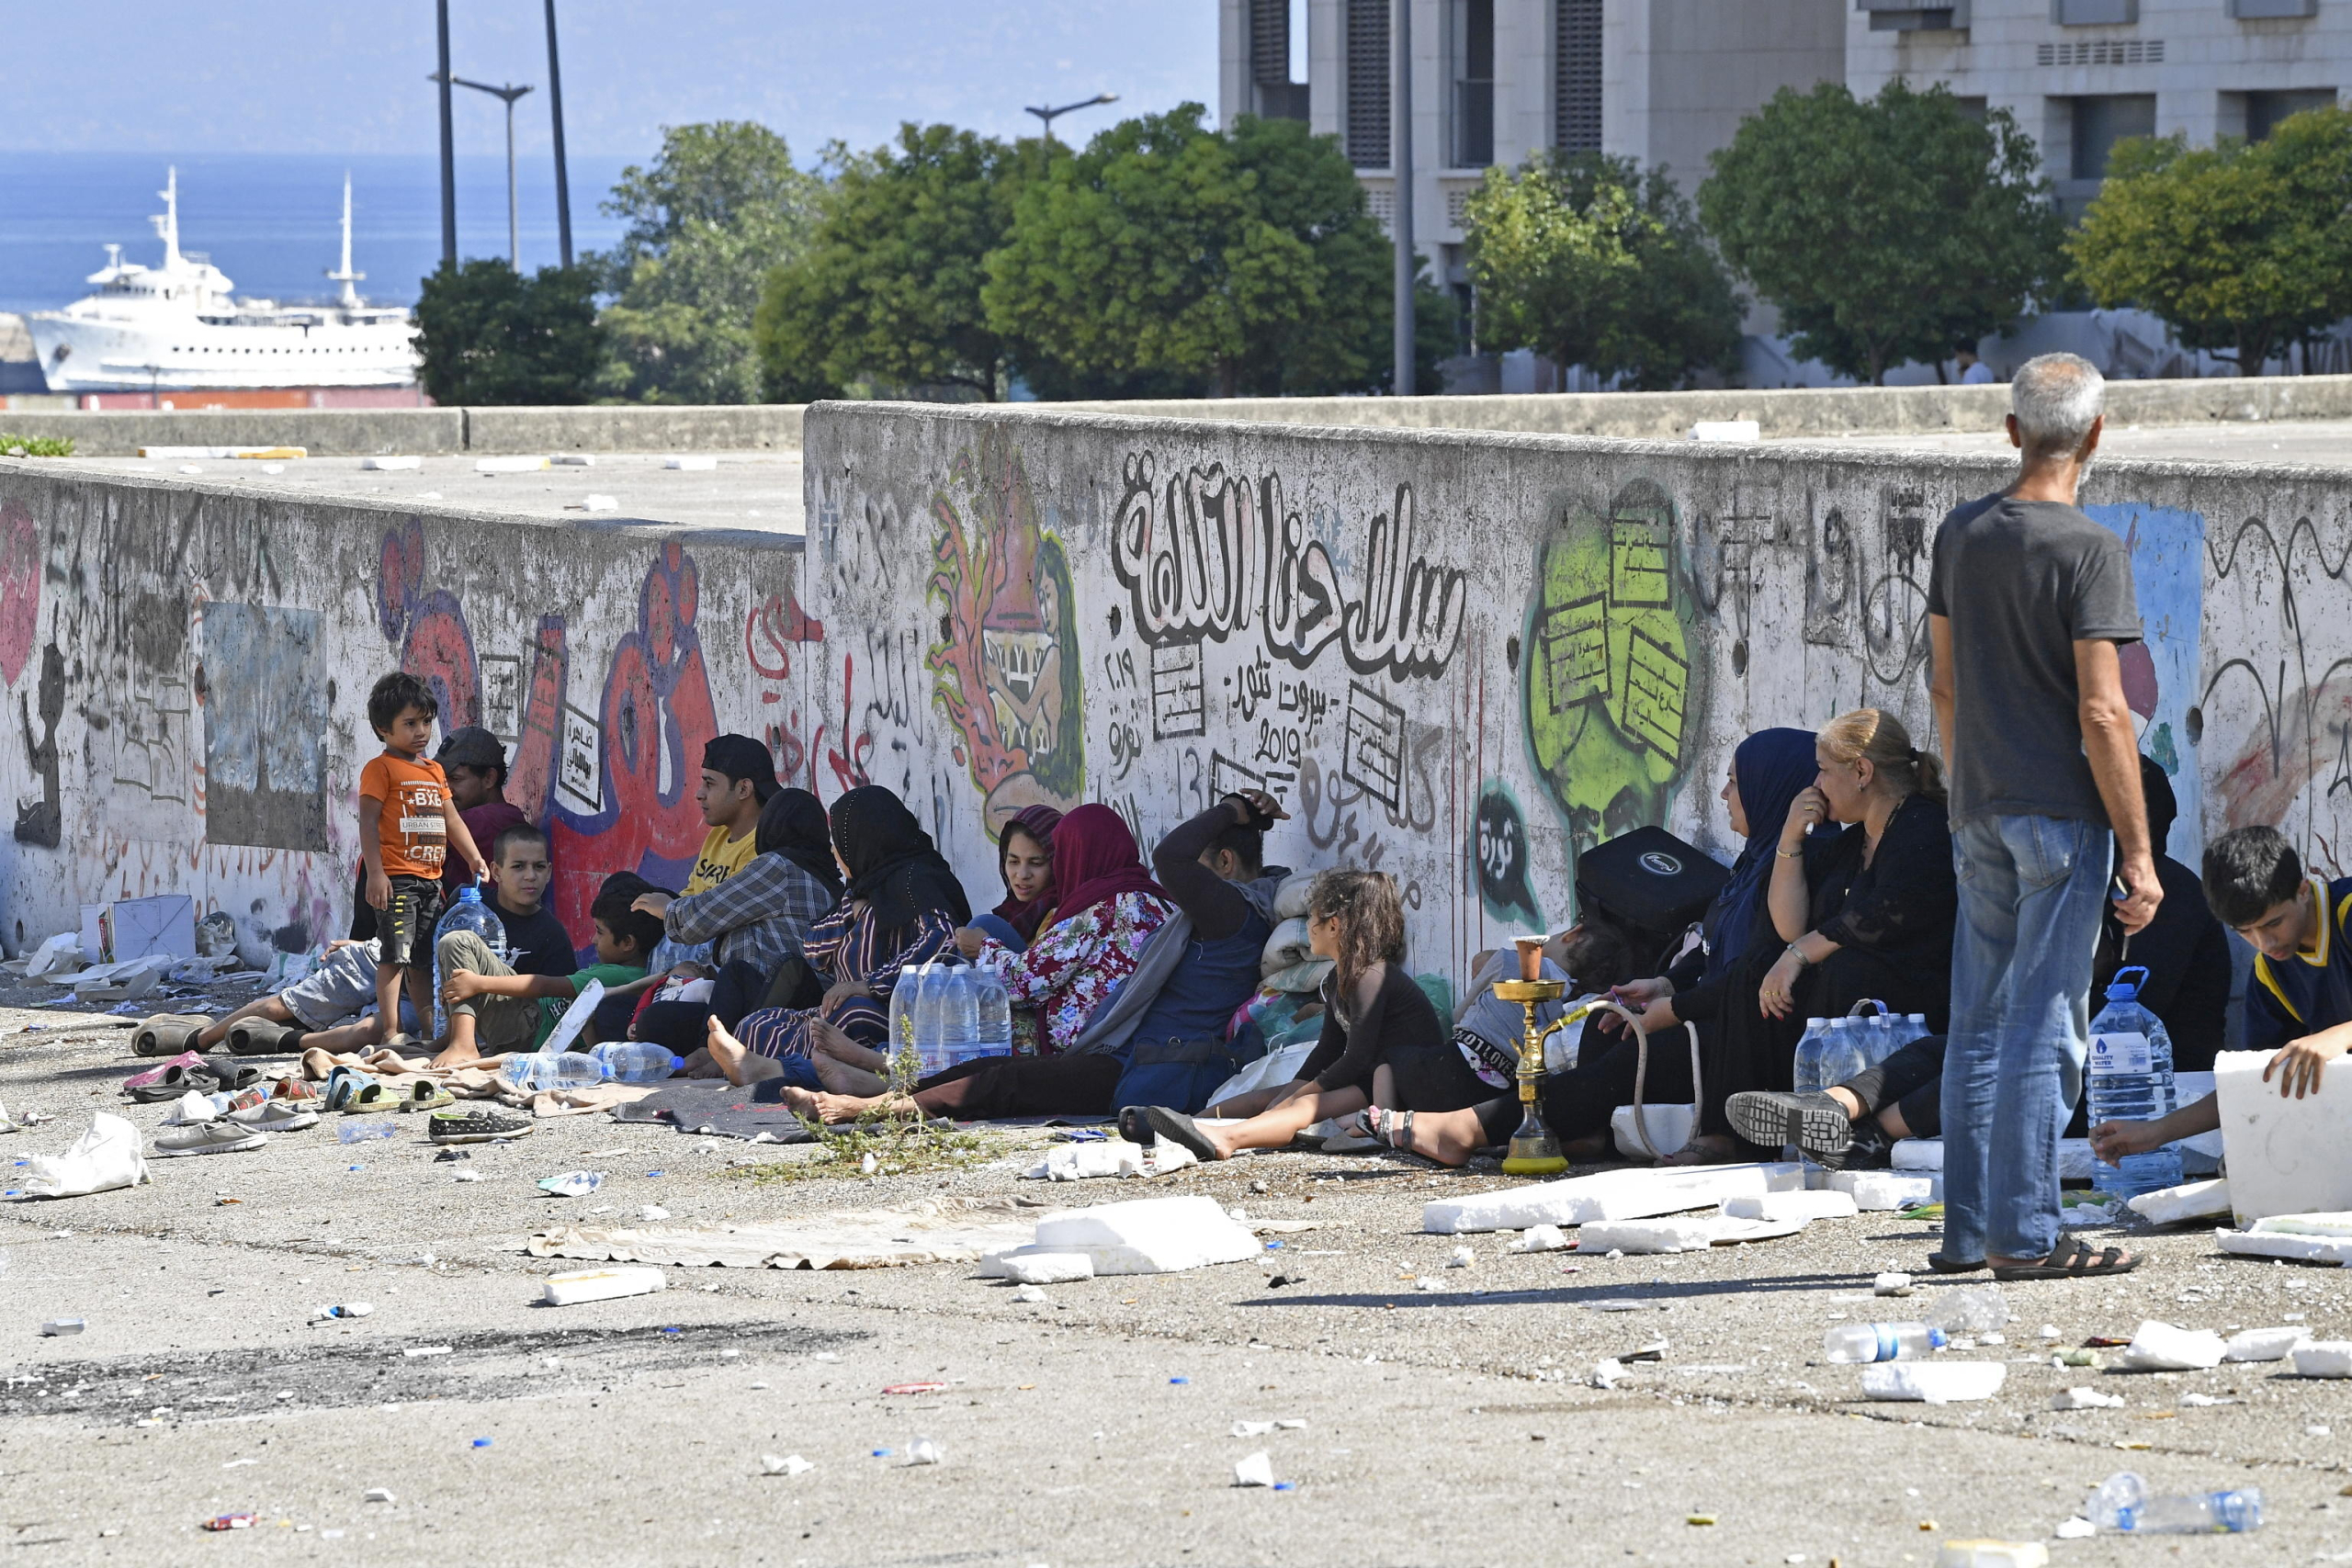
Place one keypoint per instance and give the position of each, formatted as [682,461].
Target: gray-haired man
[2026,603]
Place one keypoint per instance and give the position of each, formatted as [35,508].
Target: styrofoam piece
[62,953]
[2085,1399]
[1540,1238]
[2323,1359]
[1668,1127]
[2273,1244]
[1934,1382]
[1048,1267]
[2189,1201]
[389,465]
[2159,1347]
[140,928]
[2265,1344]
[600,1285]
[1799,1206]
[2335,1227]
[1893,1284]
[1993,1554]
[1727,430]
[1610,1195]
[1110,1157]
[2285,1156]
[1880,1191]
[1255,1470]
[1149,1235]
[692,462]
[595,501]
[1645,1235]
[518,465]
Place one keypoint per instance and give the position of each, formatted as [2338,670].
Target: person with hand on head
[1024,858]
[2029,600]
[901,905]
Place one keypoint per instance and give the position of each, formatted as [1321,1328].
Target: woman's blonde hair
[1878,737]
[1371,926]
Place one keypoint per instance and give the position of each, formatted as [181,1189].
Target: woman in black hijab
[902,905]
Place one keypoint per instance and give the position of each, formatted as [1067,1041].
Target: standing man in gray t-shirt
[2026,603]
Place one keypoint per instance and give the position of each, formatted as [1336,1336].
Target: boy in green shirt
[493,1010]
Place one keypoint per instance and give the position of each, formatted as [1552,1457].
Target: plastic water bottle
[903,997]
[636,1061]
[1843,1054]
[468,914]
[2129,1075]
[352,1131]
[1808,1060]
[2124,1505]
[959,1015]
[995,1013]
[1848,1343]
[930,1019]
[552,1070]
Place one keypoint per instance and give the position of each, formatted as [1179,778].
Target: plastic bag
[104,1158]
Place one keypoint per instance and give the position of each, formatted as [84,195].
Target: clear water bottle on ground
[931,1025]
[1843,1054]
[468,914]
[994,1011]
[960,1013]
[552,1070]
[2129,1078]
[903,997]
[636,1061]
[2124,1505]
[1848,1344]
[1808,1059]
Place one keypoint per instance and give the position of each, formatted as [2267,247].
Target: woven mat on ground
[935,1231]
[714,1108]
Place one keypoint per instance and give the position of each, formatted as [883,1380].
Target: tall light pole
[555,111]
[1400,226]
[507,94]
[1048,116]
[448,149]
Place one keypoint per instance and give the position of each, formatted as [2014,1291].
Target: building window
[1910,16]
[1576,75]
[1470,55]
[2264,110]
[1367,52]
[2272,10]
[2100,123]
[1273,94]
[2094,13]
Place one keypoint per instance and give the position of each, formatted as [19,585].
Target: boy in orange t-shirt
[406,830]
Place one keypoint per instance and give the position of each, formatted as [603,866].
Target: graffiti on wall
[1499,857]
[41,820]
[429,626]
[265,722]
[20,589]
[1008,674]
[2161,671]
[1610,691]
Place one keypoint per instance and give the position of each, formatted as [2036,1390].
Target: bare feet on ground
[739,1062]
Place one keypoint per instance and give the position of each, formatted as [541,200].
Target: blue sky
[348,76]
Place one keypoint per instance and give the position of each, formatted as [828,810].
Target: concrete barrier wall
[189,668]
[1792,413]
[1464,658]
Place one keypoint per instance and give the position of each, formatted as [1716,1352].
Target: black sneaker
[478,1124]
[1816,1124]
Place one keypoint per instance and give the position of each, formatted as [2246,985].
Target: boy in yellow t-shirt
[406,831]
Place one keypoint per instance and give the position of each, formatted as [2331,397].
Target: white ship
[175,328]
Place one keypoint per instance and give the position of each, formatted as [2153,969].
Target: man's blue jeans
[2031,893]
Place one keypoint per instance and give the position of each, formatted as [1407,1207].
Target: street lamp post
[1048,116]
[507,94]
[562,182]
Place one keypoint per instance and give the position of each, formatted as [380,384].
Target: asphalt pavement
[1448,1416]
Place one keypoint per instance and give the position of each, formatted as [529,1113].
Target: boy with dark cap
[737,776]
[475,764]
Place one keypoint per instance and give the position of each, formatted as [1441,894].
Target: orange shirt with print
[412,833]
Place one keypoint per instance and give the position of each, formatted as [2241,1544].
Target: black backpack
[1649,883]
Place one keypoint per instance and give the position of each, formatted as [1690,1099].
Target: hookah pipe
[1534,1148]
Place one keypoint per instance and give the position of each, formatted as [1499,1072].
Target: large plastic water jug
[2128,1076]
[995,1013]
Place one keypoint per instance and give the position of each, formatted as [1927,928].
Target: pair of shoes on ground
[357,1093]
[205,1075]
[169,1033]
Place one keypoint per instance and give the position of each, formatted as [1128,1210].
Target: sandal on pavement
[342,1083]
[259,1037]
[168,1033]
[427,1095]
[2070,1260]
[372,1096]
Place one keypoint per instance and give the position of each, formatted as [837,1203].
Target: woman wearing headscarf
[756,920]
[1769,770]
[1024,858]
[900,904]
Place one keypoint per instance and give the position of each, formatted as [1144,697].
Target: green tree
[1884,229]
[2241,249]
[1586,259]
[488,335]
[888,290]
[1169,256]
[720,206]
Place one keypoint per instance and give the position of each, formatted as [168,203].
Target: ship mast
[343,275]
[167,222]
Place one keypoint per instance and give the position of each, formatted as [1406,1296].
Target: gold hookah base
[1533,1150]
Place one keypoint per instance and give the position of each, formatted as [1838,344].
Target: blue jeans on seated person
[998,927]
[2030,900]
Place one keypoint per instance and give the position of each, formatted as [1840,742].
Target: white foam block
[2336,1226]
[1149,1235]
[2190,1200]
[2300,1248]
[2285,1156]
[2266,1344]
[1645,1235]
[1048,1267]
[389,465]
[1881,1190]
[1827,1204]
[2085,1399]
[509,465]
[1726,430]
[1934,1382]
[1610,1195]
[601,1284]
[2324,1358]
[2166,1347]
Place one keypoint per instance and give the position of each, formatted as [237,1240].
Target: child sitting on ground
[406,830]
[493,1010]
